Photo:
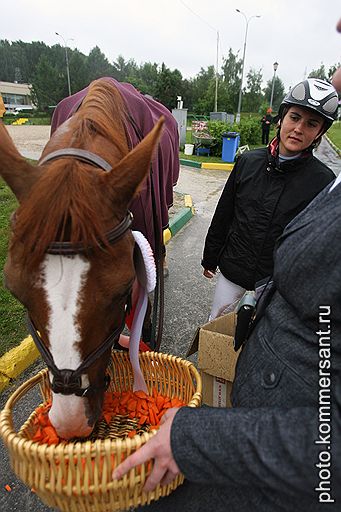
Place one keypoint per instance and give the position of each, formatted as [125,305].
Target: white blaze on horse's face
[64,278]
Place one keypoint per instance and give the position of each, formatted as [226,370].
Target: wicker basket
[76,476]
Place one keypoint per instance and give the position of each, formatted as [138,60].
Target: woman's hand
[208,273]
[158,448]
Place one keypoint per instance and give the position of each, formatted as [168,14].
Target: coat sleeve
[272,448]
[220,223]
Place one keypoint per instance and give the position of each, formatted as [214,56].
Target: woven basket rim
[6,424]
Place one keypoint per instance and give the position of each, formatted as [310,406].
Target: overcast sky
[298,34]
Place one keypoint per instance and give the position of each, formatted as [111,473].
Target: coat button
[271,376]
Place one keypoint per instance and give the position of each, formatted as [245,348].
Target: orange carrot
[146,409]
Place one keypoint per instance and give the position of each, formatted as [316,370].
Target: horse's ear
[129,173]
[19,175]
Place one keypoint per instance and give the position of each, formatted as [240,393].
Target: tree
[201,101]
[6,67]
[318,73]
[47,84]
[79,71]
[322,73]
[98,65]
[168,86]
[232,73]
[148,76]
[278,93]
[252,94]
[123,69]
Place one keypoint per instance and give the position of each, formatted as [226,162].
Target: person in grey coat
[279,448]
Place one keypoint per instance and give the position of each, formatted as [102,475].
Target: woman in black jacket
[267,188]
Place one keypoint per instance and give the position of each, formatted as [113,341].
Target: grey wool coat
[279,448]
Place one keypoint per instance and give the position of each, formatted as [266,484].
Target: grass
[334,133]
[200,158]
[12,324]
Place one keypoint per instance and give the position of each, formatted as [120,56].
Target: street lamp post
[241,83]
[216,78]
[67,61]
[273,83]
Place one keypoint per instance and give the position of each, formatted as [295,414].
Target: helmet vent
[298,92]
[331,105]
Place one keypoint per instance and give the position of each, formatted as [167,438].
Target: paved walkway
[327,155]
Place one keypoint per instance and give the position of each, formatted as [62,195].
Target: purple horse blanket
[145,112]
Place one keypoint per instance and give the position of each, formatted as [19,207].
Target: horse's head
[75,291]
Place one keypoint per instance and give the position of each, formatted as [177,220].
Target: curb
[207,165]
[335,148]
[19,358]
[217,166]
[16,360]
[182,217]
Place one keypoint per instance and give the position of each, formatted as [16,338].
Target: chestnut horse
[70,260]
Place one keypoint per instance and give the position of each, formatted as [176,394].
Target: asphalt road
[187,302]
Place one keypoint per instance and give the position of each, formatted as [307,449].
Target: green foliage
[334,133]
[278,93]
[47,84]
[248,128]
[97,65]
[12,317]
[202,93]
[252,94]
[319,73]
[263,108]
[250,131]
[168,86]
[45,69]
[232,75]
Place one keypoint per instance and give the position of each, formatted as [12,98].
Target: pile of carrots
[147,409]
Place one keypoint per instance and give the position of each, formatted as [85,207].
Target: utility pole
[216,77]
[67,61]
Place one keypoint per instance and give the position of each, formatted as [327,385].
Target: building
[16,96]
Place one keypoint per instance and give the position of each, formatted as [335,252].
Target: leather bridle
[68,381]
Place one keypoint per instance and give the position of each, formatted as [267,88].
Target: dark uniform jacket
[260,198]
[266,122]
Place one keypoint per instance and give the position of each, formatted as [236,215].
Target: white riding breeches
[226,297]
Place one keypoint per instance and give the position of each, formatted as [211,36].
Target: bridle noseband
[68,381]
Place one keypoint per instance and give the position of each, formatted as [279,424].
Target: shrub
[249,130]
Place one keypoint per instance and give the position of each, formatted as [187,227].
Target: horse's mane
[67,201]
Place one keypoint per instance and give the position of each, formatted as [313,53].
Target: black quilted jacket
[260,198]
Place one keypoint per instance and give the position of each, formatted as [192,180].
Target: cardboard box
[216,392]
[216,359]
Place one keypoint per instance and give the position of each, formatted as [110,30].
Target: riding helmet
[314,94]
